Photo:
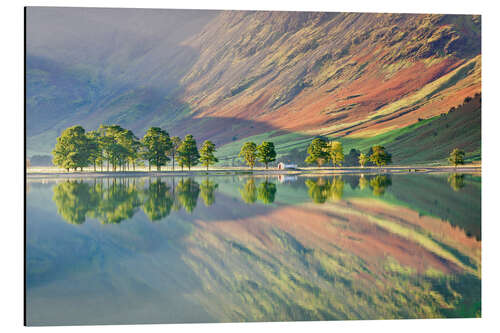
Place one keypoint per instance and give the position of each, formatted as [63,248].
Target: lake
[241,248]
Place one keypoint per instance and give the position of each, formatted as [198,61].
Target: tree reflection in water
[456,181]
[207,189]
[321,190]
[112,201]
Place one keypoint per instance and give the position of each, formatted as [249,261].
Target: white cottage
[283,166]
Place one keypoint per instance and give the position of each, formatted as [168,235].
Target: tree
[352,159]
[71,150]
[176,142]
[317,151]
[266,152]
[94,148]
[156,142]
[114,151]
[363,159]
[457,156]
[131,145]
[335,152]
[249,153]
[207,156]
[379,156]
[187,154]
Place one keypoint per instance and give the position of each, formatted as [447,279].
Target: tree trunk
[266,166]
[173,162]
[149,166]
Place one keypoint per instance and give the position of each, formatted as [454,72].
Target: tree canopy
[207,156]
[187,153]
[318,152]
[266,153]
[249,153]
[335,152]
[457,156]
[156,143]
[380,156]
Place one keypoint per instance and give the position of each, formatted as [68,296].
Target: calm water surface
[231,248]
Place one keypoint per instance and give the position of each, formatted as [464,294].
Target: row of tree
[119,148]
[321,151]
[264,153]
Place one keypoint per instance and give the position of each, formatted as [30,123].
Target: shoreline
[228,172]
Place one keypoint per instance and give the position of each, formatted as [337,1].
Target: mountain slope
[297,74]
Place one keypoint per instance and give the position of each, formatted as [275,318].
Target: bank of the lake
[50,172]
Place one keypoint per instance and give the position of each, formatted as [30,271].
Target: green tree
[335,152]
[94,148]
[249,153]
[115,152]
[207,156]
[176,142]
[363,159]
[266,153]
[156,143]
[318,152]
[380,156]
[131,145]
[249,191]
[207,191]
[187,154]
[266,192]
[457,156]
[72,150]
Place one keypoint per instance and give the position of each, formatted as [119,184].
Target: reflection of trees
[74,200]
[207,189]
[115,200]
[337,188]
[321,190]
[456,181]
[266,192]
[158,200]
[187,193]
[363,182]
[249,191]
[118,201]
[379,183]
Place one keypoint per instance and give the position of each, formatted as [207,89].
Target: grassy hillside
[426,141]
[231,75]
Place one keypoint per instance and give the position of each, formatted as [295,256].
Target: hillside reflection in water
[231,248]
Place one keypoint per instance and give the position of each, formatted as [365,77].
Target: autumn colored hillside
[232,76]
